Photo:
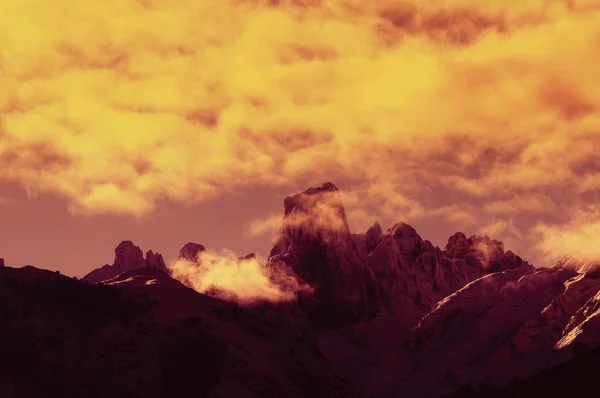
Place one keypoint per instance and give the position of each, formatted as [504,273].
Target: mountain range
[329,313]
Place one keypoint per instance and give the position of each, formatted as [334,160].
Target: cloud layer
[242,280]
[479,113]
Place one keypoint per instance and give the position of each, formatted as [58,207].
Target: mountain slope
[504,327]
[386,309]
[144,334]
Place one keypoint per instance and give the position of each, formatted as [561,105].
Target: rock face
[316,243]
[2,262]
[113,342]
[155,260]
[249,256]
[389,310]
[505,326]
[357,275]
[484,253]
[128,256]
[190,251]
[373,237]
[413,275]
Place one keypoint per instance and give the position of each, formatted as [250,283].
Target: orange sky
[164,122]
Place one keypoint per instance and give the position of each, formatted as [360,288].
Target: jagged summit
[483,252]
[128,257]
[316,210]
[247,257]
[316,243]
[328,187]
[395,313]
[413,274]
[372,237]
[155,260]
[292,201]
[395,267]
[408,240]
[190,251]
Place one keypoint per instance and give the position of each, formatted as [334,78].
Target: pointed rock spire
[128,257]
[190,251]
[317,244]
[247,257]
[408,240]
[373,236]
[155,260]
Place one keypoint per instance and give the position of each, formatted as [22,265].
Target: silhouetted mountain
[386,309]
[190,251]
[574,378]
[144,334]
[316,243]
[128,256]
[502,327]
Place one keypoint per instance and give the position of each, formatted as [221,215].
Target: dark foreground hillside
[576,378]
[146,335]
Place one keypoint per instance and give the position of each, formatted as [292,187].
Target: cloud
[485,106]
[244,281]
[531,204]
[580,237]
[270,224]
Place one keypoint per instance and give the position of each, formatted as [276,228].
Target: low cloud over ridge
[244,281]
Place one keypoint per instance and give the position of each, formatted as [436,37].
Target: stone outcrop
[249,256]
[190,251]
[373,236]
[396,270]
[413,275]
[155,260]
[317,244]
[2,262]
[505,326]
[128,257]
[484,253]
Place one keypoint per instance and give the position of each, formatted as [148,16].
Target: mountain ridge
[384,308]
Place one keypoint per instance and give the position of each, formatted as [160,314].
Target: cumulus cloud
[486,106]
[579,237]
[242,280]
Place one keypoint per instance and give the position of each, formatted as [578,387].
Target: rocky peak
[408,240]
[483,252]
[458,245]
[2,262]
[316,243]
[373,236]
[128,256]
[190,251]
[291,202]
[386,259]
[155,260]
[315,211]
[247,257]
